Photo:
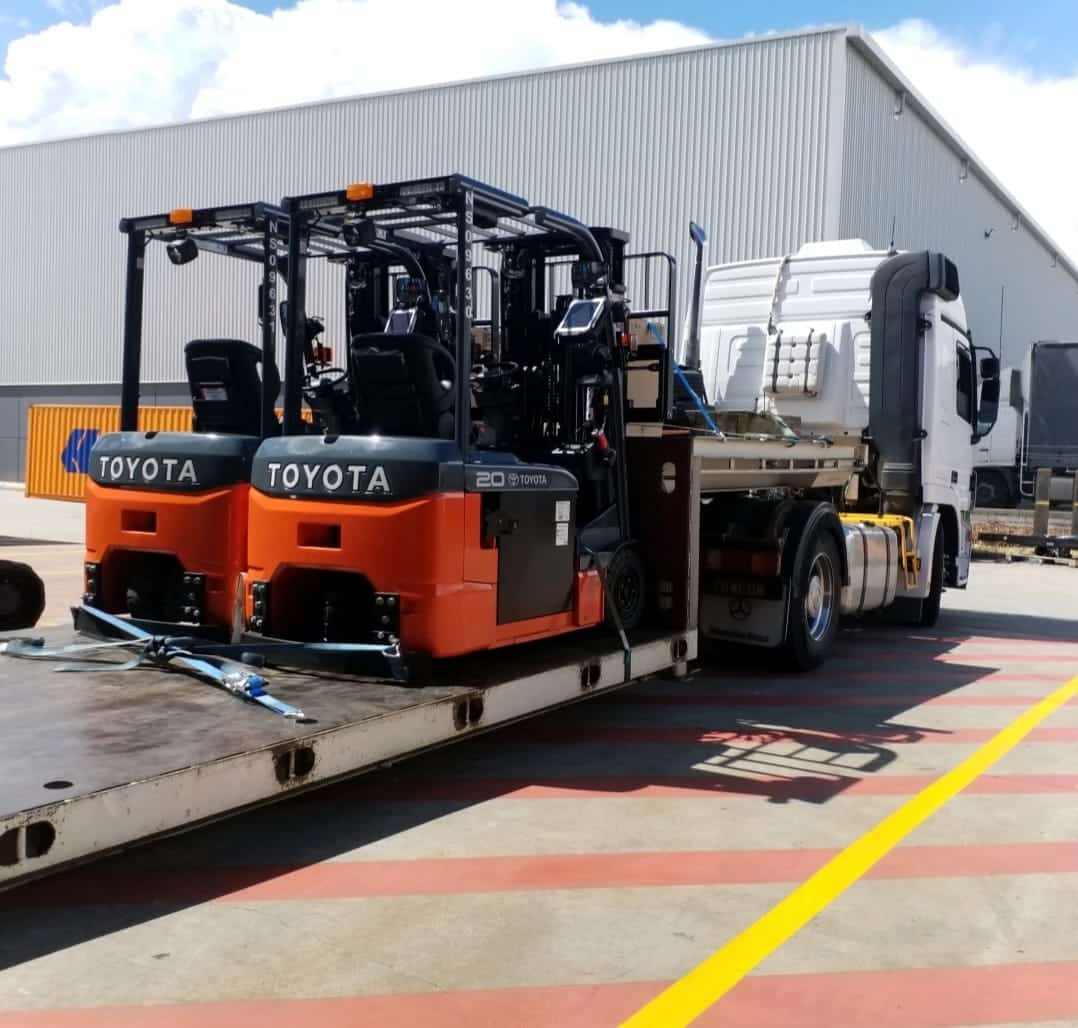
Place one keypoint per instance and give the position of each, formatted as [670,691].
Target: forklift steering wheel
[494,372]
[326,377]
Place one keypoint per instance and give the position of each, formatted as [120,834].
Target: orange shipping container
[59,440]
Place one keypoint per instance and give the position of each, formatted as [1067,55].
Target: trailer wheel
[816,607]
[993,491]
[625,585]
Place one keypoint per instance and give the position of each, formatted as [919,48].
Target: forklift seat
[397,384]
[226,388]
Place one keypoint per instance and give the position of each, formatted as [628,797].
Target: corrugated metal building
[768,143]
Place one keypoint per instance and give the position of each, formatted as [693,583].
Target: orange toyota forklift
[166,512]
[453,507]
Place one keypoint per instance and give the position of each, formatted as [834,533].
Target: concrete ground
[43,520]
[562,872]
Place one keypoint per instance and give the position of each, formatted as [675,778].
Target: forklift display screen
[581,317]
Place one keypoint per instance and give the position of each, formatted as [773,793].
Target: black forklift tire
[626,589]
[816,607]
[22,596]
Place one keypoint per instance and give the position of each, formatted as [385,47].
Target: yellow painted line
[709,981]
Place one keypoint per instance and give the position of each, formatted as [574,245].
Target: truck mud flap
[748,620]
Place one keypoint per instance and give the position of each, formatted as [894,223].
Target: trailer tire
[626,589]
[815,605]
[993,491]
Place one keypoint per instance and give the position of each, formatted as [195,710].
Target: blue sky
[1042,35]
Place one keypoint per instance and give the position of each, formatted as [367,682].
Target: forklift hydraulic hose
[685,382]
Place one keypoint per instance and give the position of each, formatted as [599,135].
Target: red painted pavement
[450,876]
[910,998]
[823,699]
[813,788]
[542,732]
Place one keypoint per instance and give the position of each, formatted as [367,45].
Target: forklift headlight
[182,251]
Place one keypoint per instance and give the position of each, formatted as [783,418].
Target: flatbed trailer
[96,762]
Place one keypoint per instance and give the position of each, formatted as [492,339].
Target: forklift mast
[555,389]
[166,512]
[255,233]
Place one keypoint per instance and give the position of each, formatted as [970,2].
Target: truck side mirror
[989,368]
[697,234]
[987,408]
[1016,399]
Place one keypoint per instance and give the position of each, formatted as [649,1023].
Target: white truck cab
[860,346]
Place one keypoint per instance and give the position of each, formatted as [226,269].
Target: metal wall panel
[734,136]
[901,168]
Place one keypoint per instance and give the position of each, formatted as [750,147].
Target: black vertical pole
[465,294]
[271,235]
[496,316]
[132,358]
[296,321]
[666,383]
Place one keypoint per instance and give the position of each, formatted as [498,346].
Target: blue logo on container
[76,453]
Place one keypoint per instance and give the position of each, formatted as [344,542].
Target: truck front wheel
[930,608]
[815,607]
[925,613]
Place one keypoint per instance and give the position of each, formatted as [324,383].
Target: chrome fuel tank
[873,555]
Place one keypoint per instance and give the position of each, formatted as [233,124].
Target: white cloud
[1019,122]
[140,62]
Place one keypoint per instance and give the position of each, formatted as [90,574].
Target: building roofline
[868,48]
[554,69]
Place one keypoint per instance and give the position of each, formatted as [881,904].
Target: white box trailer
[758,533]
[1036,429]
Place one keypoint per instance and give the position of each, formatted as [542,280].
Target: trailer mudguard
[895,383]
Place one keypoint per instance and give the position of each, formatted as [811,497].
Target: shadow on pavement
[723,731]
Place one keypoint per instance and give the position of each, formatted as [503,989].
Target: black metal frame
[453,210]
[252,232]
[658,352]
[663,354]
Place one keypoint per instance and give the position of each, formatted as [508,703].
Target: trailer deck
[93,762]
